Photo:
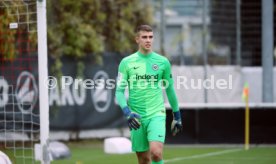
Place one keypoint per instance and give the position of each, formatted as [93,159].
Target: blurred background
[230,40]
[201,38]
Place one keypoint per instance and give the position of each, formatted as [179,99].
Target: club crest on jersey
[155,67]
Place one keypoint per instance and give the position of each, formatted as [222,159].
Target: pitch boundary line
[201,155]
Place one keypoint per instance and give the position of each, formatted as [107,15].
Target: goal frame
[43,76]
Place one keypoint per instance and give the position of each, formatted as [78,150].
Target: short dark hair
[144,28]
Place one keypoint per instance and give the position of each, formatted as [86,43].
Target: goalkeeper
[145,73]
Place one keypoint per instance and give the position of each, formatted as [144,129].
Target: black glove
[176,123]
[132,118]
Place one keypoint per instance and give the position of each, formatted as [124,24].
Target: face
[144,40]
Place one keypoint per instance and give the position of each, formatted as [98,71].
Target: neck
[145,51]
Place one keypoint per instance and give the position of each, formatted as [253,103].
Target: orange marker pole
[245,96]
[247,126]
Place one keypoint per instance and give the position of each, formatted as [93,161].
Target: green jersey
[145,76]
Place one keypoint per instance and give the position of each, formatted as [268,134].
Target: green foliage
[70,31]
[90,27]
[11,39]
[80,29]
[87,28]
[123,18]
[8,36]
[7,46]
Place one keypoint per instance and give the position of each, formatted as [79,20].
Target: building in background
[233,31]
[183,31]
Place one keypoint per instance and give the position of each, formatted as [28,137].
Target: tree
[90,27]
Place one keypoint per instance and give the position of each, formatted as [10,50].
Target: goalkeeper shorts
[153,129]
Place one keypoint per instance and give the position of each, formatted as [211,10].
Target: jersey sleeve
[121,85]
[169,83]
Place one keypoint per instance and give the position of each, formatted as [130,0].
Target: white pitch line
[201,155]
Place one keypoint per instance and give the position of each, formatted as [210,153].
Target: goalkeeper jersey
[145,75]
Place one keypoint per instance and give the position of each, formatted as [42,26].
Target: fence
[212,32]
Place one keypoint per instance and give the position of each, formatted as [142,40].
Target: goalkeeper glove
[132,118]
[176,123]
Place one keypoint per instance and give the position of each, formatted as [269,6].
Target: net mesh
[19,110]
[22,12]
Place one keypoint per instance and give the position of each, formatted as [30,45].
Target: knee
[144,160]
[156,155]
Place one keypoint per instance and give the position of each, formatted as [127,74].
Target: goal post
[24,107]
[43,76]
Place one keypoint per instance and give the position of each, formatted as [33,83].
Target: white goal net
[22,48]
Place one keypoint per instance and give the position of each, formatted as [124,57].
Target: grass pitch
[91,152]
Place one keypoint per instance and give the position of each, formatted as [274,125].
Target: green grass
[91,152]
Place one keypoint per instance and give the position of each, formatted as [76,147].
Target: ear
[137,39]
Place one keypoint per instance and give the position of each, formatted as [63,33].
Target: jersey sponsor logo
[146,77]
[135,67]
[155,67]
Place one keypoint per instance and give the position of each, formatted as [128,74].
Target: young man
[146,73]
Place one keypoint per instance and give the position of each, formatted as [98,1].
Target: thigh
[157,129]
[139,139]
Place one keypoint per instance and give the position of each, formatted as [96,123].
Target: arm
[121,85]
[177,122]
[167,76]
[122,78]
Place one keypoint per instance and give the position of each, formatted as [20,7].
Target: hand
[176,126]
[132,119]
